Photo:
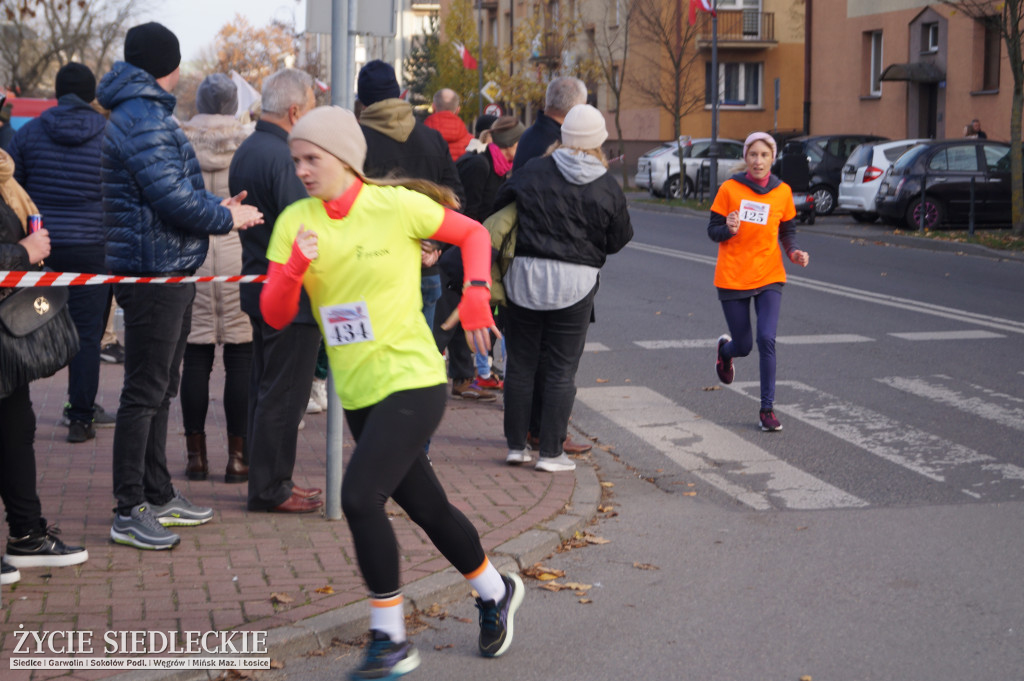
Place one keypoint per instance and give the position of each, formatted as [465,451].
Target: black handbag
[37,336]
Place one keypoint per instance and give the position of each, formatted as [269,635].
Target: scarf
[501,164]
[12,193]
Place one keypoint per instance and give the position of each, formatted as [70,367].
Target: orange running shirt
[752,258]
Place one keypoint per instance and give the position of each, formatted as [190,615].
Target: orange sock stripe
[479,571]
[387,602]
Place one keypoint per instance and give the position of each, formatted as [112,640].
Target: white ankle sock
[388,616]
[488,582]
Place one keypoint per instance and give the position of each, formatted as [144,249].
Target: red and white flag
[703,6]
[467,59]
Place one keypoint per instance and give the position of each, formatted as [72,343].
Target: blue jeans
[88,308]
[737,316]
[157,319]
[430,288]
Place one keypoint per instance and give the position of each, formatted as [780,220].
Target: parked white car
[863,172]
[658,170]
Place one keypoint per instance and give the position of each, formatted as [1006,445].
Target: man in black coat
[282,361]
[562,94]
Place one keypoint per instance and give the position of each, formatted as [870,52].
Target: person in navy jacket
[157,216]
[57,161]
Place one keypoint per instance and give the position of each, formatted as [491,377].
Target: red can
[35,223]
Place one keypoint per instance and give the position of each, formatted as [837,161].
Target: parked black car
[826,155]
[951,167]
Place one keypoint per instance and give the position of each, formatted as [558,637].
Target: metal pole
[342,21]
[339,52]
[713,151]
[970,217]
[480,57]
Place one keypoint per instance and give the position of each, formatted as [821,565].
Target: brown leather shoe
[297,504]
[306,492]
[197,467]
[571,447]
[237,470]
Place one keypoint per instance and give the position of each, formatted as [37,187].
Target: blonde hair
[439,193]
[597,153]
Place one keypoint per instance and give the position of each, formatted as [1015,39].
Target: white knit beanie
[760,137]
[336,131]
[584,128]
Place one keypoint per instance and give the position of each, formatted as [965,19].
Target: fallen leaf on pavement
[585,601]
[281,598]
[276,664]
[542,573]
[602,380]
[607,484]
[645,566]
[709,388]
[602,508]
[571,586]
[325,589]
[689,494]
[594,539]
[442,646]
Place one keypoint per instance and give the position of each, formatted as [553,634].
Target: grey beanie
[336,131]
[217,94]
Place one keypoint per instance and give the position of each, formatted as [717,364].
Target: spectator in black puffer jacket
[57,161]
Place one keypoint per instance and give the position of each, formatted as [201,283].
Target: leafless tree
[609,44]
[37,37]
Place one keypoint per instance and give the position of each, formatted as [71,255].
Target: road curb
[349,621]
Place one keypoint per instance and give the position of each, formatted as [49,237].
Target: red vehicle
[26,108]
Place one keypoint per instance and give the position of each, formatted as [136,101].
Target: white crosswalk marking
[1006,410]
[916,450]
[712,453]
[595,347]
[977,334]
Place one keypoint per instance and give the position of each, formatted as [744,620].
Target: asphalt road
[876,537]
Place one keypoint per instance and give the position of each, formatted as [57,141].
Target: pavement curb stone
[446,586]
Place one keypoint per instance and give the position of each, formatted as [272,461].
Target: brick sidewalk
[222,575]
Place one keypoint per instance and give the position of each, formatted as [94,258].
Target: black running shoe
[496,619]
[42,548]
[726,371]
[386,660]
[8,573]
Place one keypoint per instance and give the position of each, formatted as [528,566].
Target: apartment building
[906,68]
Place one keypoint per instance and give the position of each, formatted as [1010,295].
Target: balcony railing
[738,26]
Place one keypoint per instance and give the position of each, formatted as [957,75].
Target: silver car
[863,173]
[658,169]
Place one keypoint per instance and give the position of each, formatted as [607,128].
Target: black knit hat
[76,79]
[153,48]
[483,122]
[377,82]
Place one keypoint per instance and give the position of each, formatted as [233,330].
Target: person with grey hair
[446,121]
[217,317]
[561,96]
[283,360]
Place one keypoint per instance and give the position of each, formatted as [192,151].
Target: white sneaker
[317,397]
[518,456]
[555,464]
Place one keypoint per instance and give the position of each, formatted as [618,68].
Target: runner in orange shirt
[753,211]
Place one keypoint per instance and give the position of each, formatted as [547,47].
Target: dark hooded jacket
[57,161]
[157,214]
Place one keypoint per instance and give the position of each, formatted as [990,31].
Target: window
[997,158]
[739,84]
[875,64]
[956,159]
[930,37]
[738,4]
[993,42]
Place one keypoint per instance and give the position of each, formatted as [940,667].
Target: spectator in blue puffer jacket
[157,216]
[57,161]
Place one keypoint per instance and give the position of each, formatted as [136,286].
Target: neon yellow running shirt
[365,290]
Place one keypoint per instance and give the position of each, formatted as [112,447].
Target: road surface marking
[970,334]
[918,306]
[1006,410]
[713,454]
[595,347]
[822,339]
[913,449]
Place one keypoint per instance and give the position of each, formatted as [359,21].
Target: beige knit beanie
[584,128]
[336,131]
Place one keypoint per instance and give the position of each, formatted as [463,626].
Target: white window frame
[744,69]
[931,41]
[876,64]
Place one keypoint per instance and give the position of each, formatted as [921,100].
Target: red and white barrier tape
[29,279]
